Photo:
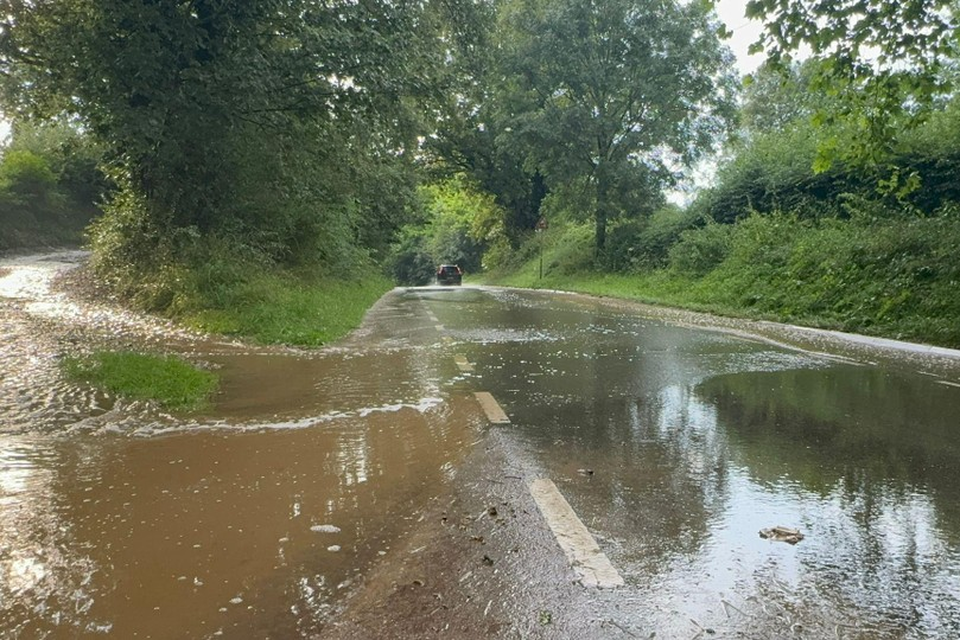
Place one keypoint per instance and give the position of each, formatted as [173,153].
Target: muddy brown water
[675,445]
[250,521]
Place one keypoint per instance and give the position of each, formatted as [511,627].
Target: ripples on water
[255,518]
[252,519]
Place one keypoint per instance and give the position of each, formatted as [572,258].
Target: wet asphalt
[674,438]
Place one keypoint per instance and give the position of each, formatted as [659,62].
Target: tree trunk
[601,214]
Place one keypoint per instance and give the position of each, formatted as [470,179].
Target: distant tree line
[50,185]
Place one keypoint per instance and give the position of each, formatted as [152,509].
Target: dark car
[449,274]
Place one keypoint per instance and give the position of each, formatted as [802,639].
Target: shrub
[410,263]
[699,251]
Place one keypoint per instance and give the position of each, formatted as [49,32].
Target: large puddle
[250,521]
[677,446]
[674,445]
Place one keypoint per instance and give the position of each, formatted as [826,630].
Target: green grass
[170,381]
[284,309]
[892,278]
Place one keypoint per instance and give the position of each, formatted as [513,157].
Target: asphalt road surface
[479,463]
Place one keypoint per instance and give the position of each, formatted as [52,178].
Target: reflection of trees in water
[879,454]
[660,470]
[861,428]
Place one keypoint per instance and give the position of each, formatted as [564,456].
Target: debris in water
[782,534]
[325,528]
[585,472]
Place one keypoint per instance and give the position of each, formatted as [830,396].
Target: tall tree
[230,115]
[616,94]
[471,123]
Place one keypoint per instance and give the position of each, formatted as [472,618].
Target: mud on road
[298,508]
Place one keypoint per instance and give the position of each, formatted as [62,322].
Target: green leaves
[289,126]
[617,94]
[884,59]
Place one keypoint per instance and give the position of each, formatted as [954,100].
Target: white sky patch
[745,33]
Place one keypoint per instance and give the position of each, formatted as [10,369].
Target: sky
[745,33]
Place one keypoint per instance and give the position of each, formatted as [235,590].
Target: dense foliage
[283,130]
[461,225]
[601,102]
[49,185]
[884,62]
[292,141]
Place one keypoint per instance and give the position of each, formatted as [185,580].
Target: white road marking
[948,383]
[438,327]
[463,363]
[578,544]
[492,408]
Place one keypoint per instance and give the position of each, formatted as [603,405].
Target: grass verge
[281,308]
[890,278]
[170,381]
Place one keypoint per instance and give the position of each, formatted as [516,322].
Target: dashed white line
[492,408]
[462,363]
[580,547]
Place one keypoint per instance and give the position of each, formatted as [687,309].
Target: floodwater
[675,445]
[251,521]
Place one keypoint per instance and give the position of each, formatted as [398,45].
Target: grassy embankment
[891,278]
[284,309]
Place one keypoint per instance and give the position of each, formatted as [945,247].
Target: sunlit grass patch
[170,381]
[277,309]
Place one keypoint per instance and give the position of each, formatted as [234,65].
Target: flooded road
[249,522]
[674,445]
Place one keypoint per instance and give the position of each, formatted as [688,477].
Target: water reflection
[697,441]
[869,459]
[858,424]
[251,521]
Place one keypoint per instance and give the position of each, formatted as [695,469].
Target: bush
[49,185]
[663,231]
[410,263]
[699,251]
